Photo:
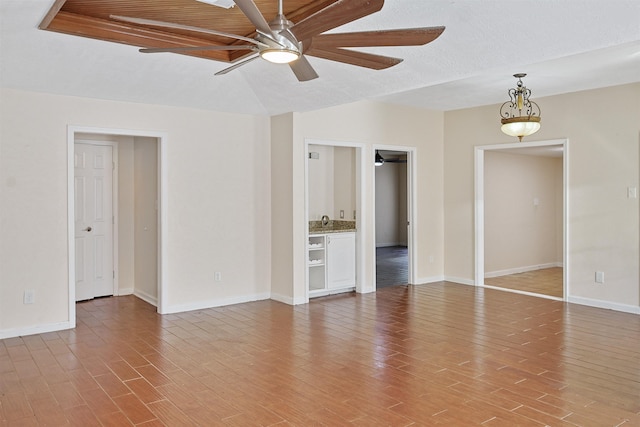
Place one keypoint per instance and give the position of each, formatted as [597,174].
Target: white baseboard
[287,299]
[200,305]
[460,280]
[427,280]
[605,304]
[517,270]
[146,297]
[125,291]
[32,330]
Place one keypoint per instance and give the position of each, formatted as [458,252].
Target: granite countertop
[334,226]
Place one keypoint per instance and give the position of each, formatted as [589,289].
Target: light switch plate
[29,296]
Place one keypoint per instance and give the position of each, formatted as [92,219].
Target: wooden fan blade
[353,57]
[195,48]
[237,65]
[334,15]
[401,37]
[251,11]
[303,69]
[142,21]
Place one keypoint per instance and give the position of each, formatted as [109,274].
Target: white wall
[344,182]
[218,197]
[284,207]
[146,218]
[237,207]
[391,204]
[126,213]
[373,123]
[332,182]
[603,127]
[321,182]
[520,235]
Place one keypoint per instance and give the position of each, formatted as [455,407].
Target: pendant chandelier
[520,116]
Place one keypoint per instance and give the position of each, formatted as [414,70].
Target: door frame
[162,139]
[360,211]
[412,232]
[479,211]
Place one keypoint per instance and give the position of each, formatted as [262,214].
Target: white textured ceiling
[563,46]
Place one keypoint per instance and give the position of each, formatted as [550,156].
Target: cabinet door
[341,260]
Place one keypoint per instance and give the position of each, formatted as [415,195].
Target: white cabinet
[341,260]
[316,262]
[331,262]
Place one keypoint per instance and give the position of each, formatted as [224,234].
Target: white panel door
[341,260]
[93,220]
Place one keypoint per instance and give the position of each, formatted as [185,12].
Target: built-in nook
[332,211]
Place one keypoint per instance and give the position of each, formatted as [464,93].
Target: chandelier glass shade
[520,116]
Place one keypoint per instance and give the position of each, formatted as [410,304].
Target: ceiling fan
[282,41]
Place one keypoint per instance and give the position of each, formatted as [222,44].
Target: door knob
[87,229]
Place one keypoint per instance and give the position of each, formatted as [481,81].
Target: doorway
[94,218]
[521,218]
[394,213]
[391,213]
[333,215]
[137,219]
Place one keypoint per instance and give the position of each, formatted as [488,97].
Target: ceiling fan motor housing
[285,41]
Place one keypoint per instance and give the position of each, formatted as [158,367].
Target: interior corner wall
[603,130]
[218,195]
[521,212]
[282,240]
[146,218]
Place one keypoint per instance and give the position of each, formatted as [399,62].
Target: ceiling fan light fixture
[520,116]
[279,56]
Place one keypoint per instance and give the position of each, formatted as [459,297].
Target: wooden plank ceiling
[90,18]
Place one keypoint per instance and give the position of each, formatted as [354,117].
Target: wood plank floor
[438,354]
[546,281]
[392,266]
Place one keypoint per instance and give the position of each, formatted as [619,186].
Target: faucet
[325,220]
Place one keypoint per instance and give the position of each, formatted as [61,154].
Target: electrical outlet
[29,296]
[599,276]
[217,276]
[341,214]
